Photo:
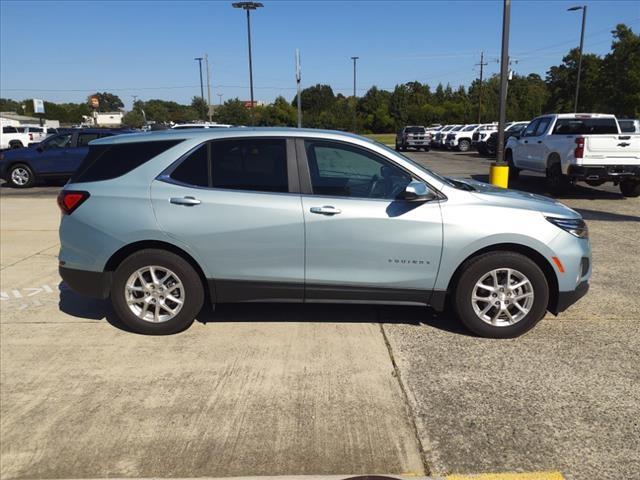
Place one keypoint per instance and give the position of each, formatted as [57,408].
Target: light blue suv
[160,222]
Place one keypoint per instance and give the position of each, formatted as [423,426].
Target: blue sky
[63,51]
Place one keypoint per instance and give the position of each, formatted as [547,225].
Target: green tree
[199,104]
[233,112]
[108,102]
[133,119]
[620,75]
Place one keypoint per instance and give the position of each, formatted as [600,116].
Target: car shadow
[100,310]
[599,215]
[537,184]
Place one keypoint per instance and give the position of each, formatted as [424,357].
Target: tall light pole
[199,59]
[355,59]
[206,65]
[499,173]
[584,17]
[220,98]
[298,79]
[248,6]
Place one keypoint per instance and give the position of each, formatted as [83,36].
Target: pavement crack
[29,256]
[405,396]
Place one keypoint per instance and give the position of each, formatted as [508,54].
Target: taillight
[69,200]
[579,151]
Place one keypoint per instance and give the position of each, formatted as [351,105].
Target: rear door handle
[526,141]
[326,210]
[187,201]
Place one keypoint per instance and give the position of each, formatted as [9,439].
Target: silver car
[161,221]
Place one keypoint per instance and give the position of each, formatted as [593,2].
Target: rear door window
[194,169]
[105,162]
[585,126]
[250,164]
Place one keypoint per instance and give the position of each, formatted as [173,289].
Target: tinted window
[104,162]
[343,170]
[248,164]
[182,127]
[585,126]
[9,130]
[414,130]
[470,127]
[85,138]
[627,126]
[194,169]
[59,141]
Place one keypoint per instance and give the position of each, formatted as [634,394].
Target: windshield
[455,129]
[414,130]
[470,127]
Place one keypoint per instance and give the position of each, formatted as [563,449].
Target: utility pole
[248,6]
[298,79]
[355,102]
[206,63]
[584,17]
[482,65]
[499,173]
[199,59]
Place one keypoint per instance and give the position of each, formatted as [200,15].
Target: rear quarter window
[106,162]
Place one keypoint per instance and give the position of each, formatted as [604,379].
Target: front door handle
[326,210]
[188,201]
[526,141]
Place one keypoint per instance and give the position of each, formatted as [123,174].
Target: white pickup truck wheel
[630,188]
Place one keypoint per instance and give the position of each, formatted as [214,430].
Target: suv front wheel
[501,294]
[156,292]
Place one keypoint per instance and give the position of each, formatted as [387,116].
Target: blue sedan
[56,157]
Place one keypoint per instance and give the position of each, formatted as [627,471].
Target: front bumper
[566,299]
[84,282]
[603,172]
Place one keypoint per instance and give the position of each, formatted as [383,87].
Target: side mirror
[417,192]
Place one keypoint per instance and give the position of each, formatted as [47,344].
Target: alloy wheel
[502,297]
[20,176]
[154,294]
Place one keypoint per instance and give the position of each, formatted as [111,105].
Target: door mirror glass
[417,192]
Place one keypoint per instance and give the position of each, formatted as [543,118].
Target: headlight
[575,226]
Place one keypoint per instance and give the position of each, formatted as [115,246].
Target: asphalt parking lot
[308,389]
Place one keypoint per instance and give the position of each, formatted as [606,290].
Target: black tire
[630,188]
[476,268]
[193,292]
[514,172]
[397,147]
[464,145]
[557,182]
[26,174]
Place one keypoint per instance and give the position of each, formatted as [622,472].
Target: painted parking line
[509,476]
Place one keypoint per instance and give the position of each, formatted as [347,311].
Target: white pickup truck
[19,137]
[572,147]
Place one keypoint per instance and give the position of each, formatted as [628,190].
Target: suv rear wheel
[156,292]
[464,145]
[501,294]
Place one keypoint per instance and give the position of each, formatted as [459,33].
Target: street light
[199,59]
[248,6]
[584,16]
[355,102]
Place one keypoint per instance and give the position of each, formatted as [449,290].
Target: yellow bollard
[499,175]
